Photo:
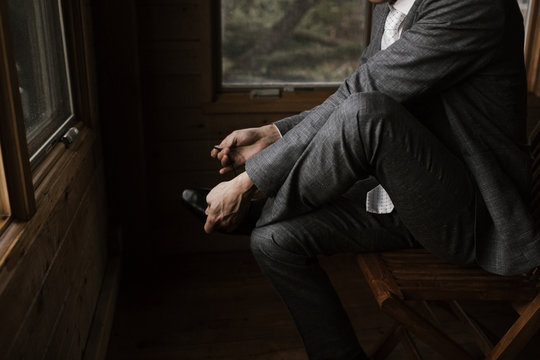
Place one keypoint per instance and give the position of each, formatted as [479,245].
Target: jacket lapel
[411,16]
[379,18]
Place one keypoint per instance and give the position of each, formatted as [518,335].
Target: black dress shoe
[195,201]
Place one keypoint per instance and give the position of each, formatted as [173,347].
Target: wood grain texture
[42,270]
[173,90]
[65,302]
[294,102]
[98,340]
[171,21]
[417,276]
[177,124]
[171,58]
[69,335]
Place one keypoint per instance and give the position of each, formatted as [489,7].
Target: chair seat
[414,274]
[418,275]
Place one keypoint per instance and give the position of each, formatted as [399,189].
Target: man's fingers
[225,170]
[211,221]
[211,218]
[209,226]
[214,222]
[215,151]
[229,142]
[225,160]
[218,151]
[233,157]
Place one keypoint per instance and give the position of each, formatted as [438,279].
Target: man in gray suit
[424,144]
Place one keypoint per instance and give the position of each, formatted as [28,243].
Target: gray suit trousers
[319,208]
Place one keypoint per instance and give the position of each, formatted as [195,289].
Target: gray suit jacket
[458,67]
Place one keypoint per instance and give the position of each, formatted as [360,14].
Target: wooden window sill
[288,102]
[52,180]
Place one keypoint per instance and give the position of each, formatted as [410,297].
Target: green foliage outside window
[291,41]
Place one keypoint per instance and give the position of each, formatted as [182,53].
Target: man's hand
[241,145]
[228,203]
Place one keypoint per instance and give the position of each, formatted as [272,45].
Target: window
[302,43]
[532,47]
[40,94]
[43,76]
[5,210]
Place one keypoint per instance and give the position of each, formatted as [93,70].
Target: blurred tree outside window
[291,42]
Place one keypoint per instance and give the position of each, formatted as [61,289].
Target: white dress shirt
[403,5]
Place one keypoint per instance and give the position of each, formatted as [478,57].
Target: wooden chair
[402,280]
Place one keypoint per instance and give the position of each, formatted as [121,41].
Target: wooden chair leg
[423,329]
[426,305]
[409,345]
[387,344]
[519,333]
[396,334]
[481,339]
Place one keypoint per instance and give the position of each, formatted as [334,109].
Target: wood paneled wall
[52,265]
[51,277]
[175,58]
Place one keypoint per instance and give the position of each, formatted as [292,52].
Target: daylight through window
[40,56]
[5,210]
[291,42]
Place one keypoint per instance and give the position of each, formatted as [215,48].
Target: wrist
[271,133]
[245,185]
[278,132]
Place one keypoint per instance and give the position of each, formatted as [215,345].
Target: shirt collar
[403,6]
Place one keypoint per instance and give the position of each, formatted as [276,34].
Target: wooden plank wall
[176,65]
[51,278]
[52,266]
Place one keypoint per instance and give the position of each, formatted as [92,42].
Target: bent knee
[258,240]
[277,243]
[367,106]
[368,114]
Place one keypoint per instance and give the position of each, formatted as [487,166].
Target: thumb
[229,141]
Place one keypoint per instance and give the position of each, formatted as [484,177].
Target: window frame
[46,133]
[12,130]
[5,207]
[23,177]
[532,47]
[218,99]
[288,86]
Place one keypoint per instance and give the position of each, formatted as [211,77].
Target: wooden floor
[219,306]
